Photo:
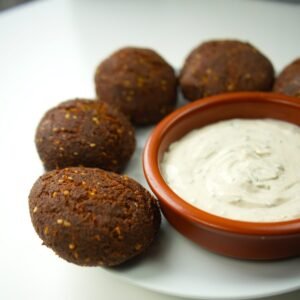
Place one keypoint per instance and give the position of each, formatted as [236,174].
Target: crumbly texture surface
[92,217]
[223,66]
[288,81]
[85,133]
[139,82]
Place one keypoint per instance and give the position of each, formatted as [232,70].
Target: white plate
[176,266]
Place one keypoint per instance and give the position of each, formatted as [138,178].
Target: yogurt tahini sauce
[240,169]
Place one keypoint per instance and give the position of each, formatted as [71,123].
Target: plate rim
[139,284]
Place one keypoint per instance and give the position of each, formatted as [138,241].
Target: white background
[48,53]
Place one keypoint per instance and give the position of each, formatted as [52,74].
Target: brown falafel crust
[87,133]
[92,217]
[225,66]
[139,82]
[288,81]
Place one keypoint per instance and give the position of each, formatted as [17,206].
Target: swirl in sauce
[240,169]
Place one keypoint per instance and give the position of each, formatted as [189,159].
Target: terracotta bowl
[246,240]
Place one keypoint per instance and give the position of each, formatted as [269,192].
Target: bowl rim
[193,214]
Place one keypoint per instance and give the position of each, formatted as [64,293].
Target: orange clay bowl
[245,240]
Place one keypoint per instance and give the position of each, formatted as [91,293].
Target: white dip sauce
[240,169]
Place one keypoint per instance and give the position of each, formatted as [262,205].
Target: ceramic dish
[174,265]
[246,240]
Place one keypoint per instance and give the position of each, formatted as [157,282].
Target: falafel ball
[288,81]
[223,66]
[139,82]
[85,133]
[91,217]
